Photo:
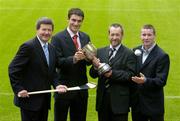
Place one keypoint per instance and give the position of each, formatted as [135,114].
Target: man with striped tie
[113,91]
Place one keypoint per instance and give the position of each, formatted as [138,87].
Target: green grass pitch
[17,24]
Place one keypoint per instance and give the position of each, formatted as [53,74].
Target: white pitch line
[172,97]
[168,97]
[6,94]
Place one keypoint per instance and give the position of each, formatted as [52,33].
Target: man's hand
[23,94]
[96,62]
[108,74]
[79,55]
[139,80]
[61,88]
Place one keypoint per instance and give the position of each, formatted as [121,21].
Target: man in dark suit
[113,91]
[73,68]
[33,69]
[153,65]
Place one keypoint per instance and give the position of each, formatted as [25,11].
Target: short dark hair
[76,11]
[44,20]
[116,25]
[149,26]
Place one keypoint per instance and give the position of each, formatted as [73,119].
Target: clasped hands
[139,80]
[79,55]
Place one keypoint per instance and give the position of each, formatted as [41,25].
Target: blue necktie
[46,52]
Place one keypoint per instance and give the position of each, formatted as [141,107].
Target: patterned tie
[111,55]
[46,52]
[75,41]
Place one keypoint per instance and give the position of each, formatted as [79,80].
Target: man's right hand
[108,74]
[61,88]
[23,94]
[96,62]
[79,55]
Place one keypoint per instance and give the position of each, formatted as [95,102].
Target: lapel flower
[137,52]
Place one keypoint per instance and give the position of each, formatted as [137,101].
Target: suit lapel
[118,54]
[106,55]
[81,37]
[51,54]
[150,57]
[103,54]
[40,51]
[139,62]
[69,41]
[139,58]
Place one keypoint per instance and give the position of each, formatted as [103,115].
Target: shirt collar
[71,33]
[117,47]
[148,50]
[41,42]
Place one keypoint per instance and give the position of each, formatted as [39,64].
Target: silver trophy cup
[91,52]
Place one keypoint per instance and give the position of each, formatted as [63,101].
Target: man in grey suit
[33,69]
[72,70]
[153,67]
[113,91]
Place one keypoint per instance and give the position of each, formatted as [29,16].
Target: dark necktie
[112,50]
[75,41]
[111,53]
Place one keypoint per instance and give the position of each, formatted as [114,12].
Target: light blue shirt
[146,52]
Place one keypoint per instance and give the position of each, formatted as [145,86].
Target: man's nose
[146,37]
[47,32]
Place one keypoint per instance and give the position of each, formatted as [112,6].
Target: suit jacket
[70,74]
[155,68]
[29,70]
[123,68]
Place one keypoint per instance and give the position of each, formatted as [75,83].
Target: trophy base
[103,68]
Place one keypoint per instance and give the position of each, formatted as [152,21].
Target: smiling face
[115,36]
[147,37]
[45,32]
[74,23]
